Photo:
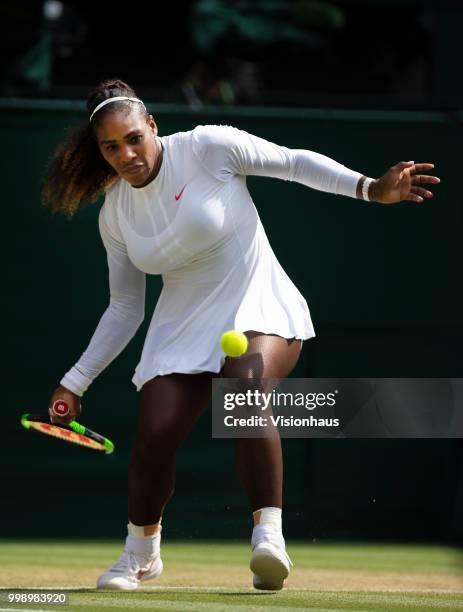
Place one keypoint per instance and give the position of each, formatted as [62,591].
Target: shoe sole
[270,570]
[111,586]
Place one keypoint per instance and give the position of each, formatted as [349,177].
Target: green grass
[213,576]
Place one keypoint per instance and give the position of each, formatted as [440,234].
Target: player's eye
[133,140]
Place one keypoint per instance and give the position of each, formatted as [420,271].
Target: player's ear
[152,125]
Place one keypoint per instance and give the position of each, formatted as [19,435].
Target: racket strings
[67,435]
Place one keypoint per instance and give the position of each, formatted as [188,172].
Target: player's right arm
[118,323]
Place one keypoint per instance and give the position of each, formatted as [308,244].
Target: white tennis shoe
[269,562]
[140,561]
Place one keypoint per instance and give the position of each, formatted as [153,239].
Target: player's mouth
[133,169]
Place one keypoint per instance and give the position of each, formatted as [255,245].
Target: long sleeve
[226,151]
[121,319]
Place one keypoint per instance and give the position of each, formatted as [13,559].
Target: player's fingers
[76,411]
[412,197]
[53,417]
[425,178]
[423,166]
[57,420]
[422,192]
[404,165]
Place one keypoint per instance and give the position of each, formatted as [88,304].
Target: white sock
[139,532]
[141,544]
[270,516]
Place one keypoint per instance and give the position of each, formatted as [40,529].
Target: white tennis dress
[197,226]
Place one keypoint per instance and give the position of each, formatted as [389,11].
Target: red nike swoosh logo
[177,197]
[146,570]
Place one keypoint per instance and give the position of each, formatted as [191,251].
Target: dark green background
[383,286]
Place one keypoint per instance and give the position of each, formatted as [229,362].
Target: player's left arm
[246,154]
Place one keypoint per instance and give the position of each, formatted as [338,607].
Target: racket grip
[60,408]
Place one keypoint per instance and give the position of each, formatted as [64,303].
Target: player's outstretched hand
[403,182]
[64,406]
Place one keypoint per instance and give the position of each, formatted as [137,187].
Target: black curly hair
[78,174]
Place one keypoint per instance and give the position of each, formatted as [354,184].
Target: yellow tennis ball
[234,343]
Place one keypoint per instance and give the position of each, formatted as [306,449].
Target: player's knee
[155,443]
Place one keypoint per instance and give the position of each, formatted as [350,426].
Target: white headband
[115,99]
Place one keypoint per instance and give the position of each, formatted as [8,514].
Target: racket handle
[60,408]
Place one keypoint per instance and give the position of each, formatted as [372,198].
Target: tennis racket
[72,432]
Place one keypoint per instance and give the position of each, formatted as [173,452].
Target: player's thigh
[268,356]
[170,405]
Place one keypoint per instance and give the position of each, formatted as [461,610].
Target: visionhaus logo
[279,421]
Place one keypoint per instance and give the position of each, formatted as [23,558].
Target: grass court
[214,576]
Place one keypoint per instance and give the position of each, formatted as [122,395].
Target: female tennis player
[178,206]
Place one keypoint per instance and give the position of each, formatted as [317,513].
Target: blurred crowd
[221,52]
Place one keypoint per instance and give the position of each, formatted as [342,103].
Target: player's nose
[127,155]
